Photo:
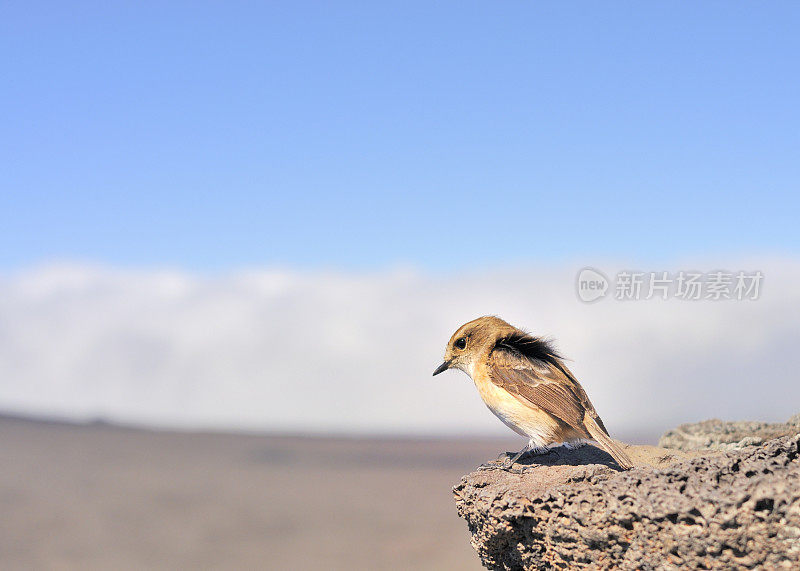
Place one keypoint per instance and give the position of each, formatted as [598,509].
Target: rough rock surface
[717,434]
[696,510]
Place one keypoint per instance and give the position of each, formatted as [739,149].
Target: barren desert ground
[104,497]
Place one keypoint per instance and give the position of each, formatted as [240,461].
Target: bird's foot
[503,466]
[507,460]
[487,466]
[493,465]
[504,462]
[518,471]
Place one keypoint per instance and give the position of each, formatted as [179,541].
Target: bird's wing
[549,386]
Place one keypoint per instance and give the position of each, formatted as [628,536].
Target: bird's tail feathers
[604,440]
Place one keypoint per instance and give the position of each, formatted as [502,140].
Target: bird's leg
[505,464]
[510,462]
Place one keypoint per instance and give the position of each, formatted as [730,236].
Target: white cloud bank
[319,351]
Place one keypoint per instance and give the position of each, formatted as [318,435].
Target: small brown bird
[525,384]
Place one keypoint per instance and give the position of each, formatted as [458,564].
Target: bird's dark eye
[461,343]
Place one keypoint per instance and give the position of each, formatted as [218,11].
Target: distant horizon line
[632,436]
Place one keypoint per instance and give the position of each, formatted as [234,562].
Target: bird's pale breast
[526,420]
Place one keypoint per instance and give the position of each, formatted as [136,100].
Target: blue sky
[361,135]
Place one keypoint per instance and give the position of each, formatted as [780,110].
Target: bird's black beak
[442,368]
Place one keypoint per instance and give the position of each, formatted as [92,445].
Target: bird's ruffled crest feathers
[534,348]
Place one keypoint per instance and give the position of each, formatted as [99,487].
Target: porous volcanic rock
[572,509]
[718,434]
